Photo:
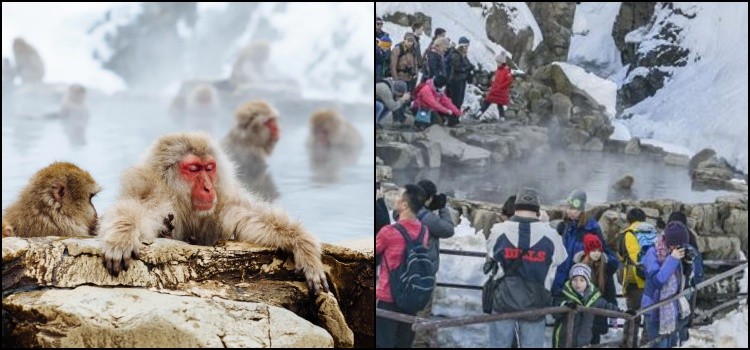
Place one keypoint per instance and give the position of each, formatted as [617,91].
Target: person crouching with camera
[665,265]
[438,220]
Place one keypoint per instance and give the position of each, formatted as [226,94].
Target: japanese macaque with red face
[250,142]
[333,143]
[187,182]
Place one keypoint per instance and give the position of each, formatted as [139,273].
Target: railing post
[569,328]
[433,337]
[630,339]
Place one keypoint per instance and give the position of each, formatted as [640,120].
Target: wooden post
[433,337]
[570,319]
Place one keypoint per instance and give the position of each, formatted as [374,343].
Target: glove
[571,305]
[490,266]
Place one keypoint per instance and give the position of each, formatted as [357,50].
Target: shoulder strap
[403,232]
[422,215]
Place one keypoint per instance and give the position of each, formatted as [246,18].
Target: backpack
[413,281]
[645,234]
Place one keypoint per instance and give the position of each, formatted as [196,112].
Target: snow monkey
[250,142]
[56,202]
[188,176]
[203,98]
[332,143]
[29,65]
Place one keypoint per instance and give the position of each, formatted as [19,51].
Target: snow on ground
[704,104]
[592,45]
[602,90]
[58,32]
[459,19]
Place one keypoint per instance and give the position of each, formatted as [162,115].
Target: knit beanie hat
[399,86]
[527,199]
[410,36]
[463,40]
[676,234]
[577,200]
[440,81]
[591,242]
[580,269]
[439,31]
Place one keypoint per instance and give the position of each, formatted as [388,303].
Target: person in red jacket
[499,93]
[430,96]
[389,247]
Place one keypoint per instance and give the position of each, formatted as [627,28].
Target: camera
[689,253]
[438,202]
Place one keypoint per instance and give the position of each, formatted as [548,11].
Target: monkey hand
[117,250]
[166,231]
[309,262]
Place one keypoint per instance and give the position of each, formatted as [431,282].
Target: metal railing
[431,325]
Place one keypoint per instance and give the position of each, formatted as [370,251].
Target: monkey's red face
[273,128]
[200,174]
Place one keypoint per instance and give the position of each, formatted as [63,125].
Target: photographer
[390,96]
[404,61]
[439,226]
[664,266]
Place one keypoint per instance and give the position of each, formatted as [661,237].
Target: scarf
[668,313]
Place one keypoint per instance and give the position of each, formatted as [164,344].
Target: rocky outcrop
[242,274]
[499,30]
[555,20]
[407,19]
[454,150]
[632,15]
[575,119]
[399,155]
[505,141]
[88,316]
[651,25]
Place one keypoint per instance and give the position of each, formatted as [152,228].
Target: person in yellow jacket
[635,240]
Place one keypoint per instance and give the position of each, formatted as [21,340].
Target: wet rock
[594,144]
[400,155]
[454,150]
[717,173]
[432,153]
[676,159]
[633,146]
[87,316]
[704,154]
[561,106]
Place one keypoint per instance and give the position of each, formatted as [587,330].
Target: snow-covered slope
[459,19]
[704,104]
[592,45]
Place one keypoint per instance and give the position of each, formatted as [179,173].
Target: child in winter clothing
[578,290]
[601,276]
[499,92]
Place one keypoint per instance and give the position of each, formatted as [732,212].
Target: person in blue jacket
[665,266]
[572,229]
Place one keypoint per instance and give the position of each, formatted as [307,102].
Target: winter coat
[441,226]
[404,63]
[418,52]
[545,249]
[572,237]
[582,321]
[390,246]
[602,277]
[427,97]
[433,64]
[500,90]
[629,275]
[461,68]
[384,94]
[657,274]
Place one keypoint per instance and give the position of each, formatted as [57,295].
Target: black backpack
[413,281]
